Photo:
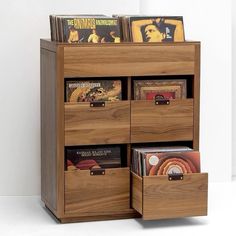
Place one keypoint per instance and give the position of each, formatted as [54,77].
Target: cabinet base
[100,217]
[114,216]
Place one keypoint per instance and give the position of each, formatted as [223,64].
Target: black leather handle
[173,177]
[97,172]
[97,104]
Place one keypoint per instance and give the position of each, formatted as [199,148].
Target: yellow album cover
[157,29]
[93,90]
[91,30]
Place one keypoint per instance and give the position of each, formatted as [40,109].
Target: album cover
[93,90]
[167,89]
[171,163]
[138,164]
[85,158]
[91,30]
[156,29]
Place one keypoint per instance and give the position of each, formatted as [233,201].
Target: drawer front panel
[123,59]
[97,194]
[163,199]
[85,125]
[154,123]
[172,199]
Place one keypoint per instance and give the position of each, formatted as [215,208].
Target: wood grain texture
[125,60]
[171,199]
[60,139]
[129,87]
[97,125]
[128,155]
[48,129]
[153,123]
[137,193]
[100,194]
[48,45]
[124,214]
[196,97]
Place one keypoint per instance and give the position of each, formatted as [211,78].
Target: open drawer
[100,123]
[158,197]
[100,191]
[151,122]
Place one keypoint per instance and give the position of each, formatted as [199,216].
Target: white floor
[26,216]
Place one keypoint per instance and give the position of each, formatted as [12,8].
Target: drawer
[85,125]
[155,123]
[129,59]
[97,194]
[156,197]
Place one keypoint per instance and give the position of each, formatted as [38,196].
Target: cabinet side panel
[48,129]
[196,97]
[137,193]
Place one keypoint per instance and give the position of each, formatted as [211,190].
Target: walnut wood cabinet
[79,196]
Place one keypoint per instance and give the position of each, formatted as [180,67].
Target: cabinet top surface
[53,45]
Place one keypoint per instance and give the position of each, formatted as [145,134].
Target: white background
[234,83]
[24,22]
[30,218]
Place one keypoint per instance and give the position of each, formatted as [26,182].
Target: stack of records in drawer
[148,161]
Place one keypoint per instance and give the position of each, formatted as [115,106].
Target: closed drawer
[85,125]
[156,197]
[129,59]
[97,194]
[154,123]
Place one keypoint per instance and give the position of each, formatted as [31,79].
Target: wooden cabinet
[117,193]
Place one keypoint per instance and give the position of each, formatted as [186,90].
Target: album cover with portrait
[91,30]
[157,29]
